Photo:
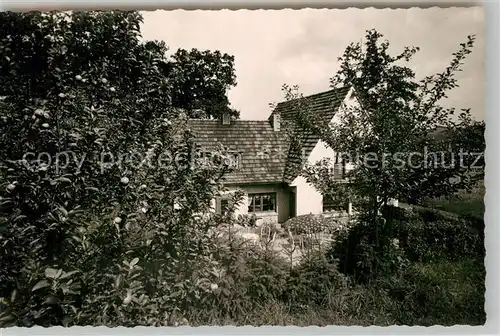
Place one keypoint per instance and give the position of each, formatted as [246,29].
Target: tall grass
[462,203]
[441,293]
[442,290]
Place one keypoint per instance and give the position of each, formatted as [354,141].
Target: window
[204,159]
[334,204]
[341,161]
[224,203]
[261,202]
[210,159]
[233,160]
[226,118]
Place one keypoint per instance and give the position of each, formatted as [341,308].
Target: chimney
[276,122]
[226,118]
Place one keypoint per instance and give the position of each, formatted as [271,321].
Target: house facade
[267,161]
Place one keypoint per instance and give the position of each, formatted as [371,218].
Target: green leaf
[18,218]
[63,179]
[51,300]
[118,281]
[51,273]
[63,211]
[67,275]
[13,296]
[40,284]
[134,261]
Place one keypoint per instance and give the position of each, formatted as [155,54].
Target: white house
[267,162]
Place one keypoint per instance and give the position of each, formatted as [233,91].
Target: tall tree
[95,173]
[201,80]
[388,133]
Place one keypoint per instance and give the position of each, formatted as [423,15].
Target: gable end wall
[310,200]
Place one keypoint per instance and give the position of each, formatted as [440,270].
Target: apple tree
[100,201]
[388,134]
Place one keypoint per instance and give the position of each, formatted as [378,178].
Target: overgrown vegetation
[132,241]
[469,203]
[399,141]
[435,283]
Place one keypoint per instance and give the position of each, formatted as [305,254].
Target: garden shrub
[92,238]
[310,224]
[304,224]
[312,280]
[247,220]
[442,292]
[367,250]
[428,234]
[453,240]
[419,234]
[247,276]
[396,213]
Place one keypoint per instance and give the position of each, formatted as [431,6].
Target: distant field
[463,203]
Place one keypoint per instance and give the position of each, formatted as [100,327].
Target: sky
[301,47]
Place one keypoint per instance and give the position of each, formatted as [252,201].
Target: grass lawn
[455,292]
[444,291]
[438,293]
[463,203]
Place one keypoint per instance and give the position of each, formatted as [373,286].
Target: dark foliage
[423,235]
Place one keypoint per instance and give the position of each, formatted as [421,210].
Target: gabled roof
[269,156]
[263,152]
[323,105]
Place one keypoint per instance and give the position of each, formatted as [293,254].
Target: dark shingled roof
[262,150]
[322,105]
[266,155]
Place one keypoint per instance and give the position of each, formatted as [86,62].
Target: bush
[428,234]
[311,281]
[310,224]
[401,235]
[305,224]
[246,277]
[367,250]
[247,220]
[427,241]
[95,238]
[437,293]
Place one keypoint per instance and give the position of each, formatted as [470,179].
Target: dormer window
[226,118]
[204,159]
[234,160]
[276,122]
[207,159]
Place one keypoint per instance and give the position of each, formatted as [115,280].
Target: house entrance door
[293,202]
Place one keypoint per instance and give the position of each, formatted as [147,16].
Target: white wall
[282,202]
[310,200]
[349,101]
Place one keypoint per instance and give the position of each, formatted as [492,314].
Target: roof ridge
[250,121]
[314,95]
